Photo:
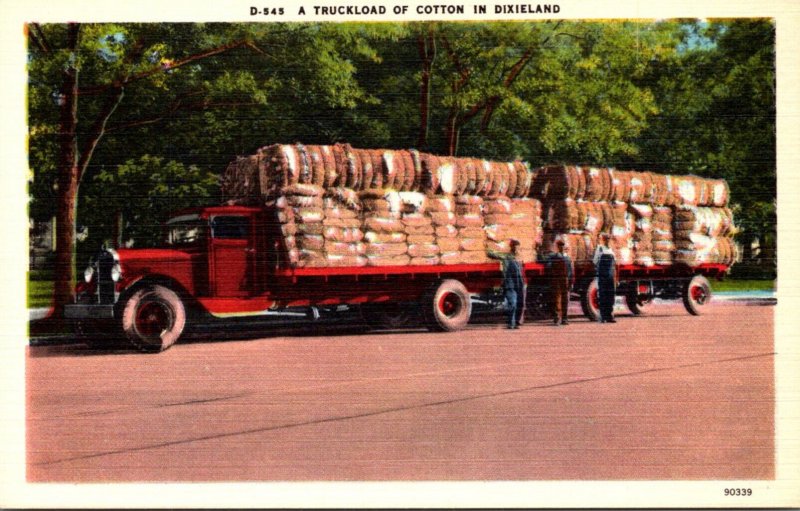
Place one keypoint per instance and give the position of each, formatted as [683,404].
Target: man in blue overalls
[513,284]
[605,269]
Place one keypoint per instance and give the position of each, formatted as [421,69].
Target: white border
[784,491]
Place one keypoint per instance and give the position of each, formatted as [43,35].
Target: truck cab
[210,258]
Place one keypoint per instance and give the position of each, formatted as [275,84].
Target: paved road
[666,396]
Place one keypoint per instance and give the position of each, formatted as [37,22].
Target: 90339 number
[738,492]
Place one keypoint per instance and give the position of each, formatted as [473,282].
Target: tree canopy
[139,117]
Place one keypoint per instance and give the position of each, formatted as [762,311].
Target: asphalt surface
[662,396]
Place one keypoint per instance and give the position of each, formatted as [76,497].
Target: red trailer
[227,261]
[640,285]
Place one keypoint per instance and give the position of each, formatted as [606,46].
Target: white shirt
[601,249]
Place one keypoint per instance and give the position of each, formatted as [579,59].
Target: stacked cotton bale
[241,179]
[441,209]
[575,207]
[384,232]
[342,228]
[639,209]
[663,239]
[419,230]
[300,214]
[621,229]
[642,234]
[702,235]
[526,226]
[497,214]
[470,225]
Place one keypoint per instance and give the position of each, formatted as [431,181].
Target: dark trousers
[560,301]
[515,307]
[606,295]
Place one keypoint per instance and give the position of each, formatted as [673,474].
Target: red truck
[226,261]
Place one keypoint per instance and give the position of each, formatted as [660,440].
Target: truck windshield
[185,231]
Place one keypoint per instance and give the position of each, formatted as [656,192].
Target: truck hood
[128,256]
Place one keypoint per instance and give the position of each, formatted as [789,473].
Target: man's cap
[513,242]
[560,243]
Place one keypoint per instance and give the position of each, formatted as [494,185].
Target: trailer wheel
[448,307]
[590,301]
[696,293]
[537,305]
[153,318]
[636,303]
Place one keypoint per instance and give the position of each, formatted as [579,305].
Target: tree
[122,81]
[717,100]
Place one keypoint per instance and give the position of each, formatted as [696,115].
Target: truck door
[231,254]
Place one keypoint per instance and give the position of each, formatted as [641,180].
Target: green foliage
[717,102]
[144,192]
[675,96]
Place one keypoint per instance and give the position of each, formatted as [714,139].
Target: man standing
[605,269]
[513,284]
[561,276]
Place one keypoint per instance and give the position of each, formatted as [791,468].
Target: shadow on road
[249,329]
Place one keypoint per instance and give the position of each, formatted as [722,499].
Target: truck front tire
[448,307]
[153,318]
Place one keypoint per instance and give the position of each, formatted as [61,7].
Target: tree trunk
[427,52]
[116,239]
[68,179]
[452,131]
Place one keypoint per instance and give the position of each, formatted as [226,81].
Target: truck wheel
[636,303]
[153,318]
[696,293]
[590,301]
[448,307]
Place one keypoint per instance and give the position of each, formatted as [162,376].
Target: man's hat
[560,242]
[513,242]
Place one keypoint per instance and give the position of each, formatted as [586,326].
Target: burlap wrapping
[328,198]
[386,260]
[702,235]
[453,257]
[384,237]
[423,249]
[439,219]
[446,231]
[559,182]
[524,180]
[579,246]
[409,171]
[591,217]
[383,224]
[599,183]
[561,215]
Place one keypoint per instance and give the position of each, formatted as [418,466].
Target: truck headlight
[116,272]
[88,273]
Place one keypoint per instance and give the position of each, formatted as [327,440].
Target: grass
[743,285]
[40,293]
